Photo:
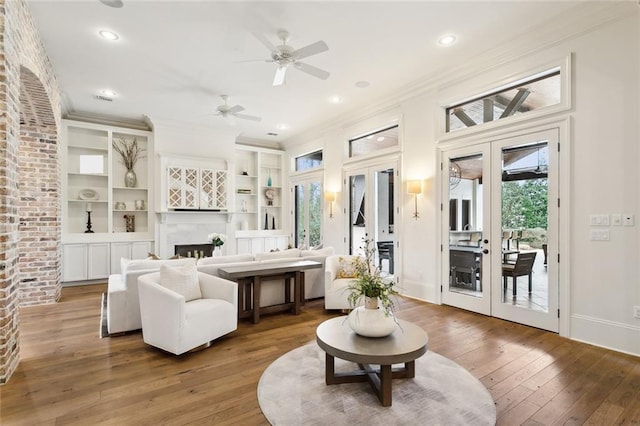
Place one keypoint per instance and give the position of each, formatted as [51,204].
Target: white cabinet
[81,262]
[261,244]
[133,250]
[96,261]
[193,184]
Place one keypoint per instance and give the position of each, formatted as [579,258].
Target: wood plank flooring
[68,375]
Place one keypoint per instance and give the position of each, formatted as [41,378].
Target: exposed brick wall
[20,46]
[39,208]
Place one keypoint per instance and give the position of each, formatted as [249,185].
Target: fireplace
[193,250]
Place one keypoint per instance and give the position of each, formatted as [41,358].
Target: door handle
[485,251]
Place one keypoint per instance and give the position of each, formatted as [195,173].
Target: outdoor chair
[523,266]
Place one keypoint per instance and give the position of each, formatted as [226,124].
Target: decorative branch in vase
[130,152]
[371,320]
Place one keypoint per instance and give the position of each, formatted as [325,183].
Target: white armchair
[174,325]
[335,288]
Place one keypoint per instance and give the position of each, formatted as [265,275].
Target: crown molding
[582,18]
[88,117]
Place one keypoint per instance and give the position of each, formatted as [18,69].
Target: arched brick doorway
[39,229]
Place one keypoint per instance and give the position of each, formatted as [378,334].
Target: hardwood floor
[68,375]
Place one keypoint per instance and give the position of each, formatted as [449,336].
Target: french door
[307,212]
[500,228]
[372,199]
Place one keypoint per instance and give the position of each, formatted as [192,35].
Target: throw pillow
[183,280]
[347,268]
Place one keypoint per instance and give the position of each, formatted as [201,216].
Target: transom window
[536,92]
[373,142]
[309,161]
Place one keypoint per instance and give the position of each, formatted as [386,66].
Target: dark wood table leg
[302,288]
[298,277]
[329,369]
[384,393]
[256,298]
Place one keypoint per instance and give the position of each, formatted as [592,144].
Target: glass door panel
[307,213]
[357,212]
[527,181]
[372,212]
[466,257]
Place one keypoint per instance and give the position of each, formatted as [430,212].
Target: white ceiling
[175,58]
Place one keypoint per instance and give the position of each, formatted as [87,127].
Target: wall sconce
[331,197]
[414,187]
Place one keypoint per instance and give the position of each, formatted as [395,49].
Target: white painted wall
[604,281]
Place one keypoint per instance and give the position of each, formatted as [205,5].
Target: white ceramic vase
[217,251]
[370,320]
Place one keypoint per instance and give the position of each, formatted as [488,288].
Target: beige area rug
[292,391]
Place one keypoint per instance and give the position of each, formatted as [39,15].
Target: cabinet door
[182,187]
[119,251]
[283,242]
[257,245]
[213,189]
[243,245]
[74,262]
[140,249]
[98,261]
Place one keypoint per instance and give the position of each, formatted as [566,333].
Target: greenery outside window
[308,161]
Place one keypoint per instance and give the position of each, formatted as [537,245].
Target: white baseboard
[419,290]
[606,334]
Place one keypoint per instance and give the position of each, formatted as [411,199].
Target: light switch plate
[616,219]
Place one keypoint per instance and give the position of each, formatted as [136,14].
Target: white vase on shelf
[217,251]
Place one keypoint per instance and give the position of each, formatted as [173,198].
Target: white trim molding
[612,335]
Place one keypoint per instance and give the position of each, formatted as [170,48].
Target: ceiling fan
[285,55]
[226,111]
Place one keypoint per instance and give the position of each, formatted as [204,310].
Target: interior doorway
[501,226]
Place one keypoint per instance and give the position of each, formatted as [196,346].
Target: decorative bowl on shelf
[120,206]
[88,194]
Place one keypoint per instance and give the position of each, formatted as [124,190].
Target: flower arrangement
[129,150]
[369,283]
[217,239]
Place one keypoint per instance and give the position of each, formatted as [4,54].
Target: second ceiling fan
[285,55]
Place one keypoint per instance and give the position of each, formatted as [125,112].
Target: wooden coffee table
[405,345]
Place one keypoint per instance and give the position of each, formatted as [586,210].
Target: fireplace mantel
[192,216]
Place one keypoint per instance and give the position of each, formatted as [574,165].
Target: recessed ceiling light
[380,138]
[108,92]
[370,137]
[362,84]
[447,40]
[108,35]
[336,99]
[282,126]
[272,134]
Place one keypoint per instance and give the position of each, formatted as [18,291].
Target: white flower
[217,239]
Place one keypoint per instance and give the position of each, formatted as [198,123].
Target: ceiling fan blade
[262,39]
[314,71]
[235,109]
[278,79]
[312,49]
[248,117]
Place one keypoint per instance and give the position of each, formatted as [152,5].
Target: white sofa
[172,323]
[123,303]
[271,291]
[336,289]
